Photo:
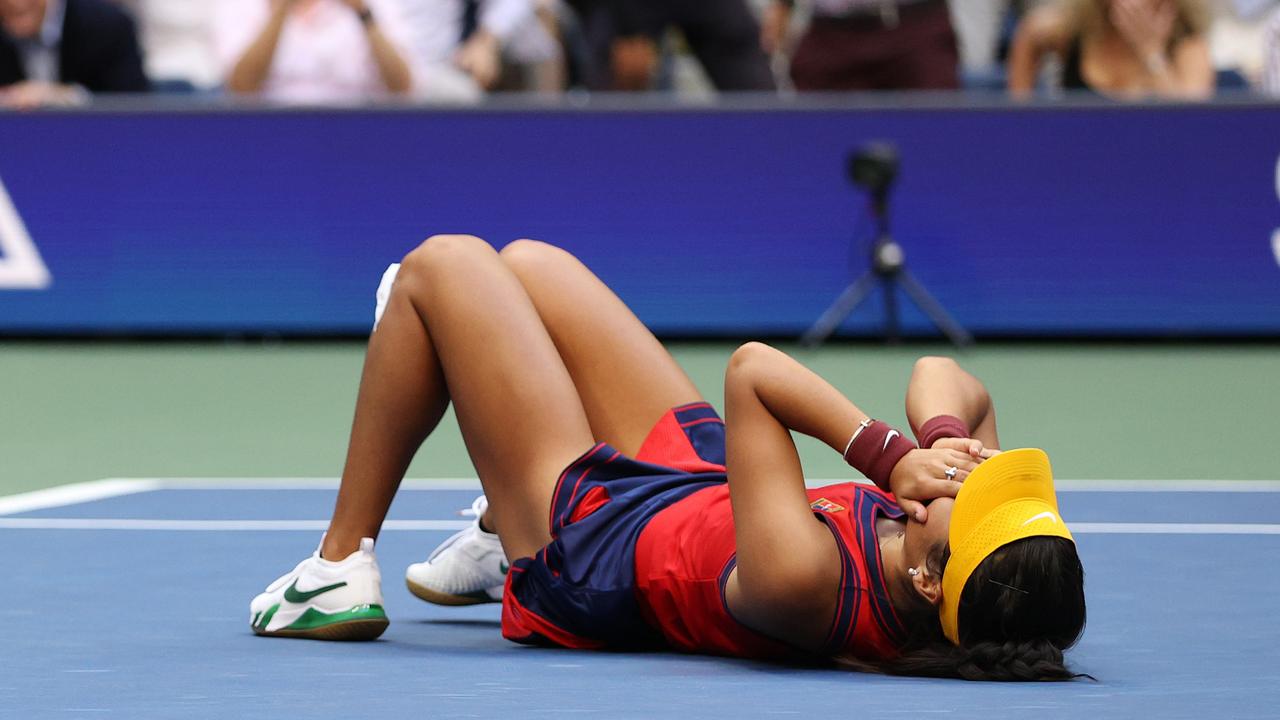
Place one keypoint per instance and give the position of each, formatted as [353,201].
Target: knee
[443,251]
[526,255]
[933,363]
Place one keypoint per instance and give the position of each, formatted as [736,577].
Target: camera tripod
[874,168]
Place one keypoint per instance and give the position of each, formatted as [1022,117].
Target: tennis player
[621,512]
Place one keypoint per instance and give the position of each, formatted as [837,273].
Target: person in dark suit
[56,52]
[624,36]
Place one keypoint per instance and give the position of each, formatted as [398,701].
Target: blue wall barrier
[1098,220]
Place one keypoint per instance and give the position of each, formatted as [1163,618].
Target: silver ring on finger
[951,472]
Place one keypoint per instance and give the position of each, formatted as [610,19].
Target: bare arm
[1041,32]
[391,66]
[788,571]
[939,386]
[774,25]
[1190,75]
[1186,72]
[250,71]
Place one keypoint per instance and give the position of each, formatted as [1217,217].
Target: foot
[467,569]
[324,600]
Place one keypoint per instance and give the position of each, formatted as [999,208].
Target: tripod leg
[892,330]
[852,296]
[938,314]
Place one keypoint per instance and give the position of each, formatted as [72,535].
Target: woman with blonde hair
[1120,48]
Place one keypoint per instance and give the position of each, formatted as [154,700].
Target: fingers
[961,461]
[972,446]
[935,488]
[914,510]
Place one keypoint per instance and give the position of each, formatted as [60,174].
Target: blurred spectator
[55,52]
[313,51]
[177,39]
[1236,36]
[982,29]
[869,45]
[1122,48]
[1271,52]
[624,38]
[487,40]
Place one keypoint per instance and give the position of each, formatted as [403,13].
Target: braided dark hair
[1020,609]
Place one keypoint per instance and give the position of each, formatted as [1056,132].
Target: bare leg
[459,325]
[939,386]
[627,380]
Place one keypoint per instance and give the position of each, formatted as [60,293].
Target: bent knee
[444,249]
[524,254]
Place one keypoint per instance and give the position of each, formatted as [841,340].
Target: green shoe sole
[366,622]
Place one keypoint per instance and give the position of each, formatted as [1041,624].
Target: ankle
[336,548]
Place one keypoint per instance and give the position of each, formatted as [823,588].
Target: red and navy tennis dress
[642,548]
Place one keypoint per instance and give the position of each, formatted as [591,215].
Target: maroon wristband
[941,426]
[876,450]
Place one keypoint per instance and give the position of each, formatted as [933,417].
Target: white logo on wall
[1275,236]
[20,265]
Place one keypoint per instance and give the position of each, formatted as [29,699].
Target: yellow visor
[1006,498]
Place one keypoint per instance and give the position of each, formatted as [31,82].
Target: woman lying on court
[690,533]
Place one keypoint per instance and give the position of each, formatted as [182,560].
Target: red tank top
[685,554]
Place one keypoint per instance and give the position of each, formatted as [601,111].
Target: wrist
[875,449]
[941,426]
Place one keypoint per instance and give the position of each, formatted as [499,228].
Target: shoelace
[478,507]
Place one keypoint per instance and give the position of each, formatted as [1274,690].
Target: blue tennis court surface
[135,605]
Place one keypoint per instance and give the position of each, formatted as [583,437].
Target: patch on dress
[826,506]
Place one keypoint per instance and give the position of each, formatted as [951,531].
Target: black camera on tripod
[874,168]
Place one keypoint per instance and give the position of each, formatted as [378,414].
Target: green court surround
[79,411]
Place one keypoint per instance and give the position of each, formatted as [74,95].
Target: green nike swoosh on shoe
[504,567]
[294,595]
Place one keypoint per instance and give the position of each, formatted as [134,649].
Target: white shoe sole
[436,597]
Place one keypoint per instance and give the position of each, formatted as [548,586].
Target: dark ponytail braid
[1020,609]
[1026,660]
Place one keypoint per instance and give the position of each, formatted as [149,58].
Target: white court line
[1166,486]
[419,525]
[114,487]
[1175,529]
[462,483]
[302,483]
[210,525]
[75,494]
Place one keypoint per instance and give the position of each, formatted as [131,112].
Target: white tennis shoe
[324,600]
[467,569]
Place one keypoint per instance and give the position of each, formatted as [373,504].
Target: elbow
[934,363]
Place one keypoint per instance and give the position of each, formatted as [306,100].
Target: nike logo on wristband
[888,439]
